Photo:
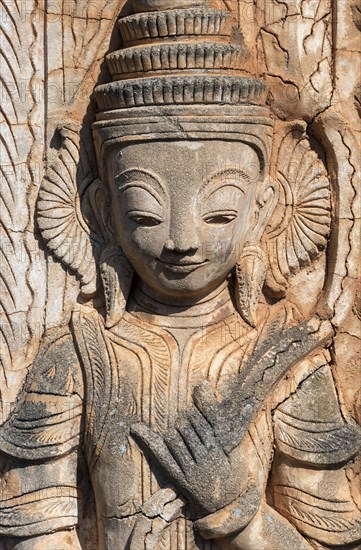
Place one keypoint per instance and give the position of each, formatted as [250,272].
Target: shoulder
[46,421]
[314,444]
[309,424]
[56,369]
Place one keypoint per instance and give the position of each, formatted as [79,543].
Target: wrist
[230,519]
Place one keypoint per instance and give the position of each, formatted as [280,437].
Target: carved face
[182,211]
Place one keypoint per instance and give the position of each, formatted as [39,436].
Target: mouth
[182,267]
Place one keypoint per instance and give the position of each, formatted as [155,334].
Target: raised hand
[194,460]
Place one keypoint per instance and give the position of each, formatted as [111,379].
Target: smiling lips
[182,267]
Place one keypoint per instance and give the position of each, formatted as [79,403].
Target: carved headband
[248,124]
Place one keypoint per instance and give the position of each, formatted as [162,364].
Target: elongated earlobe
[115,270]
[252,265]
[251,270]
[117,275]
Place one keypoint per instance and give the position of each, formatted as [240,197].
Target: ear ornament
[72,218]
[300,226]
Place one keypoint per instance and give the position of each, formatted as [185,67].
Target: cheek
[220,243]
[228,240]
[148,240]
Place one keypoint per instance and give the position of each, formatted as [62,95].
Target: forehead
[189,160]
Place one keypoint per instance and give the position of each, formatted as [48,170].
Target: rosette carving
[62,211]
[300,226]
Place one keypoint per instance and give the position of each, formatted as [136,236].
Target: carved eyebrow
[226,173]
[229,184]
[134,177]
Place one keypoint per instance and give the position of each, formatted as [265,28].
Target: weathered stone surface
[181,335]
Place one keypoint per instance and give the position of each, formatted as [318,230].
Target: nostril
[180,248]
[169,245]
[182,242]
[190,249]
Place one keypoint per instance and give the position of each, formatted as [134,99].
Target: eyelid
[144,213]
[140,185]
[229,212]
[233,184]
[220,217]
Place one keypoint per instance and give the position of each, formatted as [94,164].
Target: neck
[212,308]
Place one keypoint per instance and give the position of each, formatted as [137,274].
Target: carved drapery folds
[195,220]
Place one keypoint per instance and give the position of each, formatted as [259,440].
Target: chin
[189,285]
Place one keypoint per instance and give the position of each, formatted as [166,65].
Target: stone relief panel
[180,310]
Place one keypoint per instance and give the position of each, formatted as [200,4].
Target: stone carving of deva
[199,397]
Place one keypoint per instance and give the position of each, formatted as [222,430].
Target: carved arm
[39,445]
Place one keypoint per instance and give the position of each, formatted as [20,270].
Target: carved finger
[203,429]
[179,450]
[154,444]
[192,440]
[206,402]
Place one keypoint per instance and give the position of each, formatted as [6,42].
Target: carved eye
[145,219]
[220,218]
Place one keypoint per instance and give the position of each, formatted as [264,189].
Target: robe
[89,383]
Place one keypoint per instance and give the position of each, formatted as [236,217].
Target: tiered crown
[179,53]
[180,76]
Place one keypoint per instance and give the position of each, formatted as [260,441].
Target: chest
[150,376]
[158,369]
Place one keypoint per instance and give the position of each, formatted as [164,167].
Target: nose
[183,237]
[181,249]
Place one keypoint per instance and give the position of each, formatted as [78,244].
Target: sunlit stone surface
[179,305]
